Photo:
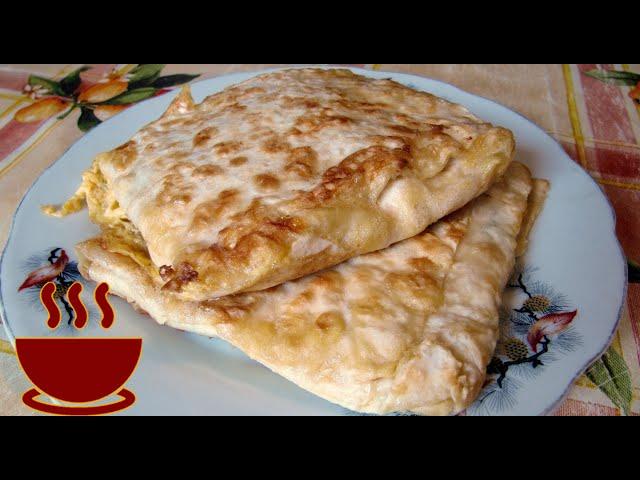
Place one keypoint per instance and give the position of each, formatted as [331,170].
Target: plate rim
[252,73]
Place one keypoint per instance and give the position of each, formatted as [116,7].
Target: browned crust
[407,328]
[440,153]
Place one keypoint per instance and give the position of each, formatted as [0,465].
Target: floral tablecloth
[592,110]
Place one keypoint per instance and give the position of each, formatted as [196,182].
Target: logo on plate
[80,373]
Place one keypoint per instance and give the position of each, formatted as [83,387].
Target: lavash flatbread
[409,328]
[286,174]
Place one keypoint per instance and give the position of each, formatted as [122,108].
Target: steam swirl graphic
[73,295]
[47,298]
[49,303]
[108,314]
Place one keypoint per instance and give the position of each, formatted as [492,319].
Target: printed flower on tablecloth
[34,92]
[635,93]
[114,92]
[620,78]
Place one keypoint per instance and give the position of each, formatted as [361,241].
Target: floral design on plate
[54,266]
[535,331]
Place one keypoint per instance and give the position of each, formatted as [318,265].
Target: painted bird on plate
[551,324]
[42,275]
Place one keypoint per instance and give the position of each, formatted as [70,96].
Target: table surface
[595,120]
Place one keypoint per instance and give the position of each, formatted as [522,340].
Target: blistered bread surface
[291,172]
[410,328]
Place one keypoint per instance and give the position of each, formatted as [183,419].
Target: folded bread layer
[410,328]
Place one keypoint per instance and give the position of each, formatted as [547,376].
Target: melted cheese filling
[119,235]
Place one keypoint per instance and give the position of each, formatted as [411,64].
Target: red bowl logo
[78,370]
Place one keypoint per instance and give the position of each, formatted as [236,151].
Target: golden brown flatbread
[409,328]
[283,175]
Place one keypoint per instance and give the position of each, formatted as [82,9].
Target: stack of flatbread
[354,235]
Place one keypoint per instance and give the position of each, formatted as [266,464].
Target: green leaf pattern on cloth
[132,96]
[51,85]
[87,120]
[633,270]
[611,375]
[172,80]
[71,82]
[615,77]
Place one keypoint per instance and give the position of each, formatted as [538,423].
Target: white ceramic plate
[574,263]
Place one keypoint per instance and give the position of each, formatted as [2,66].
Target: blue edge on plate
[550,408]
